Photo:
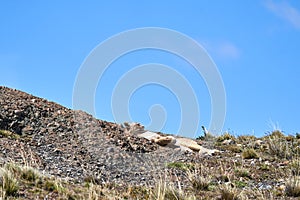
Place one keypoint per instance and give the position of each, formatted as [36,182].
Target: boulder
[189,143]
[168,141]
[163,141]
[149,135]
[184,144]
[205,151]
[228,142]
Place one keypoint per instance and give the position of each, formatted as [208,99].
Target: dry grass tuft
[9,184]
[164,191]
[225,136]
[293,187]
[30,174]
[278,146]
[249,154]
[229,193]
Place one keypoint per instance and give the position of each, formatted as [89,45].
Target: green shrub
[240,184]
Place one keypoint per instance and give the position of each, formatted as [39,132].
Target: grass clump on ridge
[249,153]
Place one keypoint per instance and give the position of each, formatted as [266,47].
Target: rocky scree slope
[74,145]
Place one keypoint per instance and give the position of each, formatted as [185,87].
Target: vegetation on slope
[246,168]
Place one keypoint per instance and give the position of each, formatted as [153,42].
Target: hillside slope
[80,151]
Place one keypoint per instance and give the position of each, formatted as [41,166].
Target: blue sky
[253,43]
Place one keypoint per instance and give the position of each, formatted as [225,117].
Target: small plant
[240,184]
[137,191]
[9,184]
[198,181]
[180,165]
[246,138]
[13,168]
[276,134]
[30,174]
[278,145]
[289,138]
[92,195]
[293,187]
[264,167]
[172,194]
[91,179]
[242,173]
[53,186]
[9,134]
[163,191]
[225,136]
[234,148]
[229,193]
[249,154]
[295,167]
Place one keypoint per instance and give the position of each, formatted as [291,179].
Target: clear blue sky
[255,45]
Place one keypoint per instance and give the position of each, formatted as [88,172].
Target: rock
[281,188]
[189,143]
[205,151]
[228,142]
[284,163]
[172,142]
[149,135]
[28,130]
[163,141]
[258,144]
[185,144]
[134,127]
[185,149]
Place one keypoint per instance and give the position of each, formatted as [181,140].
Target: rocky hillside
[128,162]
[72,144]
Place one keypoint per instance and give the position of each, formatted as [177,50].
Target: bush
[198,181]
[225,136]
[276,134]
[293,187]
[53,186]
[229,193]
[30,174]
[278,145]
[9,184]
[249,154]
